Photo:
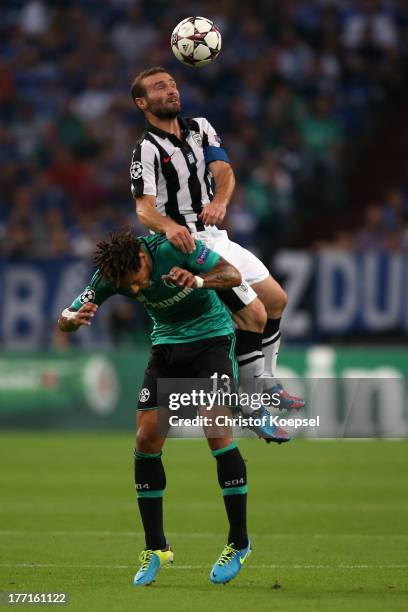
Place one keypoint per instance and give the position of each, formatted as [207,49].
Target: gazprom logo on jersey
[166,303]
[203,254]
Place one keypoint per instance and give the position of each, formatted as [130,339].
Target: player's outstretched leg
[231,472]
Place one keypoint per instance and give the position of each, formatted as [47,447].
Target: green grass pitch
[328,521]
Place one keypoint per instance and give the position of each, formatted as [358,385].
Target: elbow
[141,215]
[231,177]
[238,280]
[61,324]
[138,209]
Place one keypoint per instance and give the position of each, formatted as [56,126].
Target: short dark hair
[118,256]
[137,90]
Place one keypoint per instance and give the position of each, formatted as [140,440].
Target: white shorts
[252,269]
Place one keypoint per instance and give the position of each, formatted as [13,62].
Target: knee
[278,304]
[282,299]
[252,318]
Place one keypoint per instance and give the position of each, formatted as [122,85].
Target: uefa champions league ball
[196,41]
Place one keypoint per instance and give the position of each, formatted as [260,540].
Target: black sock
[249,353]
[150,481]
[231,472]
[270,345]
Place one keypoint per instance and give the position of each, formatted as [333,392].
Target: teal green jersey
[178,314]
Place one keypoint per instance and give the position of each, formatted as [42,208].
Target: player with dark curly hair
[117,256]
[192,337]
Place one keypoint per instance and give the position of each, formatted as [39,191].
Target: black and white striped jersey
[176,171]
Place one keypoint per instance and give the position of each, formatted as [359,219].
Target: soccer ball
[196,41]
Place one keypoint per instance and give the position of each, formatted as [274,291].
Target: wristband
[198,282]
[69,314]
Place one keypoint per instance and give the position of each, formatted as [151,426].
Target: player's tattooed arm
[214,212]
[222,276]
[148,215]
[70,320]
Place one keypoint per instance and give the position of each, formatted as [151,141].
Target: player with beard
[182,182]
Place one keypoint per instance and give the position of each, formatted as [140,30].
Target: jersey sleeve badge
[87,296]
[136,170]
[202,255]
[197,139]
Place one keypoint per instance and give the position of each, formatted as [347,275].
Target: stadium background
[310,99]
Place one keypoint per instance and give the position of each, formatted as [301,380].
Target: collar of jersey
[173,139]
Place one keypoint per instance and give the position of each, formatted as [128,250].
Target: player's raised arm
[223,276]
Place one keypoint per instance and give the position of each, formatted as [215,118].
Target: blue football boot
[264,429]
[151,562]
[229,563]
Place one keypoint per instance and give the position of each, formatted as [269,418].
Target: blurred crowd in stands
[384,227]
[296,84]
